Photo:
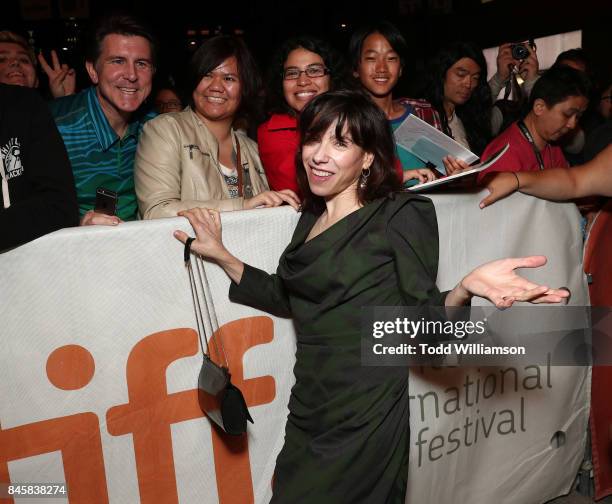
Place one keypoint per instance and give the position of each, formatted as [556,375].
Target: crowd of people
[198,152]
[327,149]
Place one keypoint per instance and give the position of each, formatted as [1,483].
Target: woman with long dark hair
[457,88]
[302,68]
[195,157]
[358,243]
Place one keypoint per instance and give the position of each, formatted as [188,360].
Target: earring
[364,178]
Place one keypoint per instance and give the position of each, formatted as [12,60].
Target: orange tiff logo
[148,416]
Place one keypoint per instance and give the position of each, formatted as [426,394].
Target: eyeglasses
[168,105]
[609,97]
[312,71]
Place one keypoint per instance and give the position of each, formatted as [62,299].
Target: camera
[520,50]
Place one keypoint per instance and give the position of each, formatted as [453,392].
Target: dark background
[426,24]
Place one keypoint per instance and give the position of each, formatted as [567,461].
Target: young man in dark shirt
[38,194]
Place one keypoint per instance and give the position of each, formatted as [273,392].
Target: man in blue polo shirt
[100,126]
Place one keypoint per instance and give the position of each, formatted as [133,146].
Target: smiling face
[16,68]
[553,122]
[298,92]
[379,65]
[217,96]
[460,81]
[334,165]
[122,74]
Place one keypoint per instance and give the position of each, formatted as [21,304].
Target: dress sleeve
[412,232]
[261,290]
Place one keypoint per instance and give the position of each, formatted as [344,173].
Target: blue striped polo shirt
[99,158]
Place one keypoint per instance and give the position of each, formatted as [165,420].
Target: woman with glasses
[195,157]
[377,56]
[358,243]
[301,69]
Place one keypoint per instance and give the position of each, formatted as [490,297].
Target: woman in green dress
[358,243]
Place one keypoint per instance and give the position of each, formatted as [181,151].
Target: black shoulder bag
[222,402]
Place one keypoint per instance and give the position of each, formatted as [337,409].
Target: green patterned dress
[347,433]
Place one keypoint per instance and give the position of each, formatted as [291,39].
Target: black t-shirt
[37,173]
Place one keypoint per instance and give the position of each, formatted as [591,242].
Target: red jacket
[278,142]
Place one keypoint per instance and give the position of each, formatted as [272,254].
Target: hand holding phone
[106,201]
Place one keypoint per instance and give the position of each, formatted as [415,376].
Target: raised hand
[528,68]
[62,78]
[505,61]
[498,282]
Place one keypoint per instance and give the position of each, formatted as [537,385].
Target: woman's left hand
[498,282]
[422,174]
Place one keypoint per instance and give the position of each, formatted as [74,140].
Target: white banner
[100,360]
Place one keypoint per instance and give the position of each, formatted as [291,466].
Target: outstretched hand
[500,185]
[498,282]
[62,78]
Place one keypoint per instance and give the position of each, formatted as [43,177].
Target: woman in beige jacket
[194,158]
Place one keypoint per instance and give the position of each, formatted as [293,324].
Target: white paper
[430,144]
[446,180]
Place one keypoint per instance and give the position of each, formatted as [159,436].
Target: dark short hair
[215,51]
[332,59]
[368,127]
[386,29]
[577,55]
[119,24]
[559,83]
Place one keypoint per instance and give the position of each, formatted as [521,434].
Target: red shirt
[278,142]
[520,155]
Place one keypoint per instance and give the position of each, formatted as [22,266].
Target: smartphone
[106,201]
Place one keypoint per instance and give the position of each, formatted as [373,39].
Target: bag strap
[208,304]
[239,168]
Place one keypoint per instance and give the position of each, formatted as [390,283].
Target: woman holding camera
[358,243]
[195,157]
